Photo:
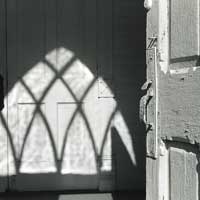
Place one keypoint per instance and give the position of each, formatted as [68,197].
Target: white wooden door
[173,105]
[55,127]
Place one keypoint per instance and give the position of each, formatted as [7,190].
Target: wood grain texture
[183,175]
[151,164]
[184,28]
[179,106]
[151,179]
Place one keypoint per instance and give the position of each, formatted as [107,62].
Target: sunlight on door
[58,122]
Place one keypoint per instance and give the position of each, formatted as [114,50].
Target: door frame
[151,121]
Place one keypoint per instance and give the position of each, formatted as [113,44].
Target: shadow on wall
[73,73]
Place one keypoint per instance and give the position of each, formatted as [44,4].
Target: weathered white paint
[184,28]
[195,68]
[151,164]
[163,172]
[163,35]
[184,70]
[183,175]
[180,71]
[148,4]
[156,88]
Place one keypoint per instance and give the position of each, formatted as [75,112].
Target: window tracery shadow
[123,101]
[38,110]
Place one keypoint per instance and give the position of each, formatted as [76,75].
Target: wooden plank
[164,184]
[89,39]
[51,25]
[30,45]
[177,174]
[69,28]
[104,39]
[183,174]
[11,41]
[151,164]
[151,179]
[184,31]
[191,178]
[2,37]
[104,48]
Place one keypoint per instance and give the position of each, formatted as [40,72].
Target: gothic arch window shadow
[115,119]
[64,65]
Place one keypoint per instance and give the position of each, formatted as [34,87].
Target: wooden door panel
[179,171]
[180,106]
[178,89]
[184,29]
[174,173]
[183,174]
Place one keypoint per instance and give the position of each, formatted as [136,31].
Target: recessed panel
[184,178]
[184,29]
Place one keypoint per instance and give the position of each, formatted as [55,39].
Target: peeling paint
[148,4]
[163,67]
[163,41]
[184,70]
[195,68]
[180,71]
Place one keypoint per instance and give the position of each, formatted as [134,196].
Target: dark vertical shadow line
[44,9]
[170,31]
[107,129]
[9,136]
[38,110]
[6,65]
[96,35]
[57,41]
[56,21]
[17,58]
[82,20]
[112,40]
[26,136]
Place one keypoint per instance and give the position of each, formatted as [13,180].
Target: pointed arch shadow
[127,93]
